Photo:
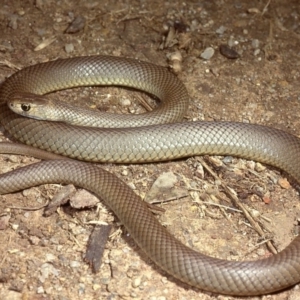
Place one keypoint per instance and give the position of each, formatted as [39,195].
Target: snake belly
[148,143]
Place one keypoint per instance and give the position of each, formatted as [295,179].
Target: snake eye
[25,107]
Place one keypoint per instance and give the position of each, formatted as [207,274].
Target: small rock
[91,4]
[40,290]
[227,160]
[125,102]
[96,286]
[208,53]
[6,46]
[69,48]
[163,189]
[251,164]
[32,192]
[164,280]
[75,264]
[254,213]
[34,240]
[165,180]
[15,226]
[267,199]
[255,43]
[13,22]
[216,161]
[136,282]
[221,30]
[77,25]
[47,270]
[131,185]
[259,167]
[231,42]
[124,172]
[284,183]
[228,52]
[82,199]
[256,52]
[50,257]
[176,61]
[4,221]
[13,159]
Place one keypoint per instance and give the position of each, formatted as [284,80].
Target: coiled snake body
[148,143]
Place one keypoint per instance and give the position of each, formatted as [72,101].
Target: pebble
[250,164]
[15,226]
[221,30]
[74,264]
[256,52]
[4,221]
[69,48]
[133,295]
[96,286]
[27,214]
[175,61]
[136,282]
[40,290]
[164,280]
[232,42]
[255,43]
[267,200]
[31,193]
[208,53]
[34,240]
[77,25]
[13,159]
[259,167]
[166,180]
[216,162]
[284,183]
[227,159]
[77,230]
[131,185]
[82,199]
[124,172]
[7,46]
[13,22]
[125,102]
[228,52]
[50,257]
[254,213]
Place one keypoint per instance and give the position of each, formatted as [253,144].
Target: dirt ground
[254,80]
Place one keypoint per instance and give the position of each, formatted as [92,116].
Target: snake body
[148,143]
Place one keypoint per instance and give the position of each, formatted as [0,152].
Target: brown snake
[147,144]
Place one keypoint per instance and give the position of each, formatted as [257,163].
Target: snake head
[29,105]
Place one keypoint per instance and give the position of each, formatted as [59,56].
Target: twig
[257,245]
[220,205]
[144,103]
[5,255]
[236,201]
[265,8]
[30,208]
